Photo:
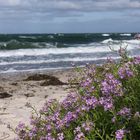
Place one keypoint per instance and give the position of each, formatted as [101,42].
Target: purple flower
[70,116]
[55,117]
[111,86]
[33,132]
[125,112]
[52,103]
[70,101]
[87,126]
[21,130]
[34,121]
[60,136]
[80,136]
[60,124]
[90,70]
[91,102]
[86,83]
[21,126]
[85,108]
[48,127]
[42,138]
[77,130]
[125,72]
[107,103]
[136,60]
[120,134]
[113,119]
[49,137]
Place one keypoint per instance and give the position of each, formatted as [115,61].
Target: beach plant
[104,105]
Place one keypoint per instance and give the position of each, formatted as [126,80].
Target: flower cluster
[125,72]
[87,126]
[70,101]
[111,86]
[104,105]
[107,103]
[120,134]
[136,60]
[47,137]
[125,112]
[91,102]
[79,135]
[21,130]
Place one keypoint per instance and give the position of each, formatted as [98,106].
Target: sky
[69,16]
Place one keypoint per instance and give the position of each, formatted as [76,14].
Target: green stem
[99,135]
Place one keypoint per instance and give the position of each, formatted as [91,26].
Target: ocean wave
[125,34]
[37,52]
[51,36]
[27,67]
[78,59]
[52,51]
[27,37]
[131,42]
[105,34]
[27,41]
[134,41]
[50,65]
[12,70]
[14,44]
[107,41]
[91,48]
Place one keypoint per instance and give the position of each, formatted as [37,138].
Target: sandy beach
[19,89]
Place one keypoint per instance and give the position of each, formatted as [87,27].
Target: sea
[39,52]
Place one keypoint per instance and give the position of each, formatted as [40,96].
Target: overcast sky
[54,16]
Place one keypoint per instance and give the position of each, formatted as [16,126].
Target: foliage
[104,106]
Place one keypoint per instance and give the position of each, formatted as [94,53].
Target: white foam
[77,59]
[115,44]
[107,41]
[89,48]
[134,41]
[42,44]
[3,44]
[125,45]
[26,37]
[125,34]
[34,70]
[105,34]
[47,51]
[10,70]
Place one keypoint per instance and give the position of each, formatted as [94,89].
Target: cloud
[9,2]
[49,11]
[69,5]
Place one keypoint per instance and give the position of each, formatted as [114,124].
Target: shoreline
[20,91]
